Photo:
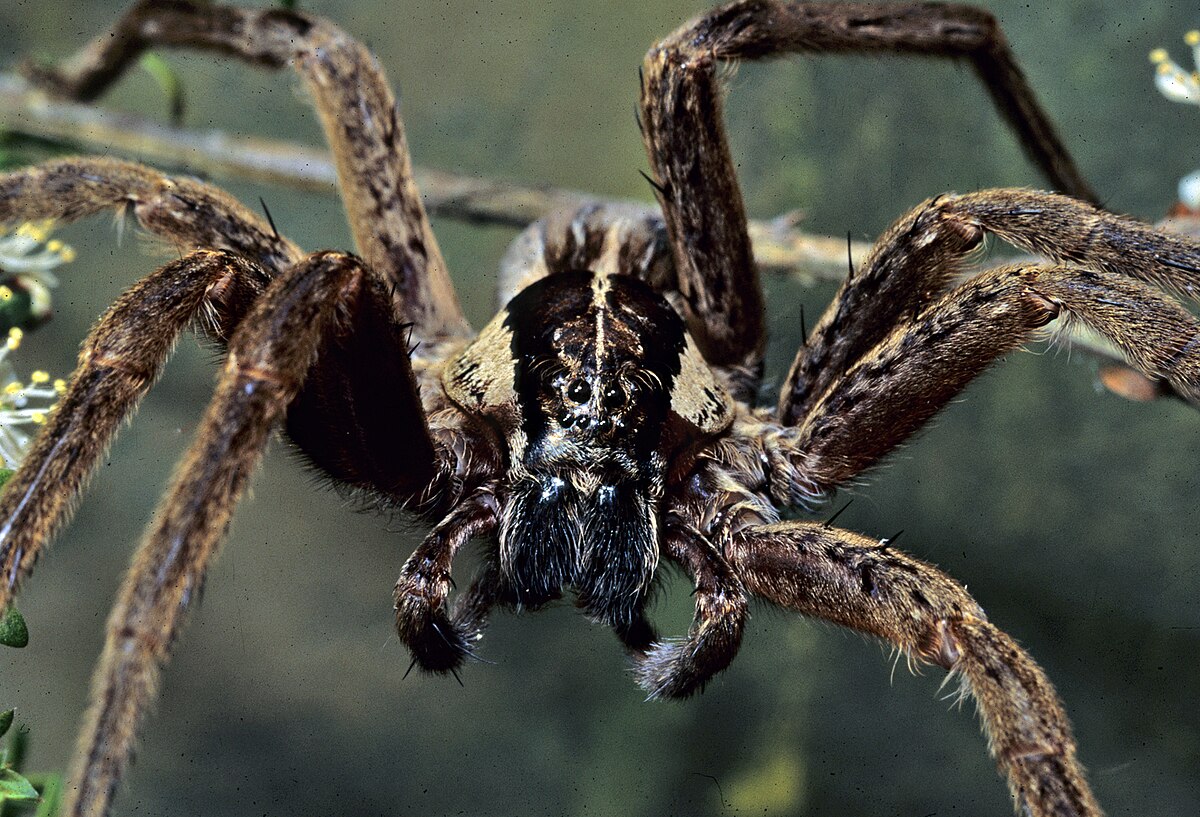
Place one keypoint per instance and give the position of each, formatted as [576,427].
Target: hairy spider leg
[678,668]
[918,346]
[119,361]
[358,113]
[358,386]
[895,386]
[473,606]
[361,418]
[694,177]
[925,251]
[914,262]
[869,586]
[423,621]
[902,382]
[187,214]
[269,355]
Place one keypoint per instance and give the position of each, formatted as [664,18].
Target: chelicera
[607,419]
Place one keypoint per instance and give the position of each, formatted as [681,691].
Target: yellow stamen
[60,386]
[37,230]
[5,293]
[13,388]
[1158,55]
[40,377]
[1192,37]
[38,417]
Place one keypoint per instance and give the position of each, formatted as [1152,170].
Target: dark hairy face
[595,357]
[589,379]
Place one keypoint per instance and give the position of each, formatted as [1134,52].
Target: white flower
[29,250]
[1173,82]
[22,405]
[28,254]
[1189,190]
[1178,85]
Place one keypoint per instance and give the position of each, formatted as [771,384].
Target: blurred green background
[1069,513]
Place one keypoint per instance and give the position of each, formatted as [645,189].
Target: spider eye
[579,391]
[614,396]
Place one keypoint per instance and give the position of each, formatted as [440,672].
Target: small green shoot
[168,81]
[14,788]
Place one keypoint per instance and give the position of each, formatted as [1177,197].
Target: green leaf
[13,632]
[5,475]
[6,720]
[14,787]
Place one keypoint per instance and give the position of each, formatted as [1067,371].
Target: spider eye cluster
[593,402]
[614,395]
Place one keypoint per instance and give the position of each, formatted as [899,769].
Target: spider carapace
[595,385]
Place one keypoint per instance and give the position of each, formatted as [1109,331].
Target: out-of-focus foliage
[21,795]
[13,630]
[14,788]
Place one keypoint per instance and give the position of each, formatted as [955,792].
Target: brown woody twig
[779,245]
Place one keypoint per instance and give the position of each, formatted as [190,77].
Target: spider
[606,419]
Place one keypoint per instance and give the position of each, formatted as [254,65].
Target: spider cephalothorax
[605,421]
[594,386]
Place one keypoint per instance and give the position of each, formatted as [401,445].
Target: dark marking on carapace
[616,335]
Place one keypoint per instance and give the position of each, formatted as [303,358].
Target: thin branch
[779,246]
